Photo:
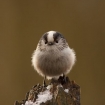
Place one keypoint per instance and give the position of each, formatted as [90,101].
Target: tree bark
[64,92]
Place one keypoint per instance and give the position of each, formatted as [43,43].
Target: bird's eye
[45,42]
[56,41]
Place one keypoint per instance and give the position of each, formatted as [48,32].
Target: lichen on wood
[63,93]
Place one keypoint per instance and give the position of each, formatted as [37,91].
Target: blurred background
[23,22]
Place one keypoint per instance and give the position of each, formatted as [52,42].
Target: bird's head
[52,40]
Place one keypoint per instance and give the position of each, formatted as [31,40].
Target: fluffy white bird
[53,56]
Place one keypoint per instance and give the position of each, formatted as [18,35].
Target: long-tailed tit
[53,56]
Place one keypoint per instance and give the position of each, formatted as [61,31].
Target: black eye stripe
[56,36]
[45,37]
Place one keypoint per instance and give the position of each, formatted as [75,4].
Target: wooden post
[63,93]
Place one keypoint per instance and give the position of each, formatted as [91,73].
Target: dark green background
[22,23]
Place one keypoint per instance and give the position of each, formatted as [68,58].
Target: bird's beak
[50,43]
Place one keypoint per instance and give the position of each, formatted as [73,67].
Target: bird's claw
[44,83]
[62,79]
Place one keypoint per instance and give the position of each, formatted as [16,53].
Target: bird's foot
[63,79]
[44,84]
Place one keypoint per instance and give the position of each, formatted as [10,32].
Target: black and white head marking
[52,38]
[44,37]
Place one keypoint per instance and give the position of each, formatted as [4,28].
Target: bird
[53,57]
